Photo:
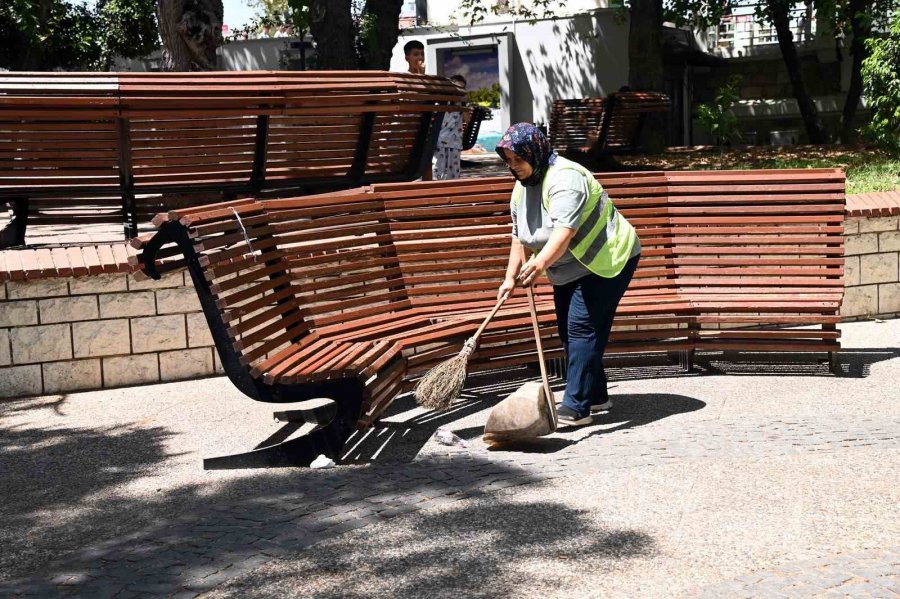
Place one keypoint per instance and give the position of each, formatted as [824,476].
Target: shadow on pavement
[639,409]
[629,411]
[402,440]
[851,363]
[857,362]
[46,472]
[493,547]
[78,513]
[55,402]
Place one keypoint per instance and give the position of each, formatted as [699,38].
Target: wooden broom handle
[548,393]
[490,316]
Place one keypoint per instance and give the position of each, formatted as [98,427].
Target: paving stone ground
[738,480]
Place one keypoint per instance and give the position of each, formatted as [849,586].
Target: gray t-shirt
[532,223]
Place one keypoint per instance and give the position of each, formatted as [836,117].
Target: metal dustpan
[529,412]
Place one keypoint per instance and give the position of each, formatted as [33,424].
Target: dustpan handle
[548,393]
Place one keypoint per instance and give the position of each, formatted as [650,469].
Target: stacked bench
[474,116]
[591,130]
[352,296]
[120,147]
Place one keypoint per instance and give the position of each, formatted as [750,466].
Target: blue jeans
[584,315]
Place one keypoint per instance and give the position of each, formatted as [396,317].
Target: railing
[737,33]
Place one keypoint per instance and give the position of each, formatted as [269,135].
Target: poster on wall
[481,69]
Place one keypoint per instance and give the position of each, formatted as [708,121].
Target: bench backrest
[627,114]
[452,237]
[768,231]
[575,123]
[59,135]
[612,124]
[139,139]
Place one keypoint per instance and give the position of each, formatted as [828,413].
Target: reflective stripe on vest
[604,239]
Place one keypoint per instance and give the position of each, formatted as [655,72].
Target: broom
[443,384]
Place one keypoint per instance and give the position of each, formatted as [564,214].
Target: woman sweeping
[589,251]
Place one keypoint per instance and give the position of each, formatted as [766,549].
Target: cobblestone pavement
[874,573]
[781,484]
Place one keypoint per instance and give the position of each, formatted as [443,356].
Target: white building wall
[446,12]
[573,57]
[244,55]
[253,55]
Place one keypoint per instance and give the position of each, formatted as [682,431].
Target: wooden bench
[352,296]
[592,130]
[120,147]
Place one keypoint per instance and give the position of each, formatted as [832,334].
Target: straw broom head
[443,384]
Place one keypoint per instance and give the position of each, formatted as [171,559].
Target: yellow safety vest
[604,239]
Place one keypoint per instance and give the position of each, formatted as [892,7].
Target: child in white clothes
[450,142]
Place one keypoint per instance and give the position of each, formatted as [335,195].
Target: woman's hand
[532,269]
[507,287]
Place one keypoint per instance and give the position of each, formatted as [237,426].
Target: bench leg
[13,234]
[833,365]
[299,452]
[335,422]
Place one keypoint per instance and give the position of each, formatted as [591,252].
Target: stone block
[851,271]
[878,268]
[855,245]
[122,305]
[68,309]
[45,343]
[179,300]
[2,291]
[860,301]
[158,333]
[39,288]
[108,283]
[130,370]
[5,355]
[889,241]
[16,314]
[101,338]
[198,331]
[76,375]
[889,298]
[185,364]
[20,381]
[217,363]
[851,226]
[880,223]
[172,279]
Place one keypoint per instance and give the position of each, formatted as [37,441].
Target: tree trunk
[190,30]
[379,34]
[175,56]
[331,25]
[645,65]
[779,15]
[861,30]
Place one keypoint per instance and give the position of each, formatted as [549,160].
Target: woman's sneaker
[601,407]
[570,417]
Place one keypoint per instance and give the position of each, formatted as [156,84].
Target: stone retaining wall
[872,267]
[69,334]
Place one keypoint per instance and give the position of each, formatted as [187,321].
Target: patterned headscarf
[530,144]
